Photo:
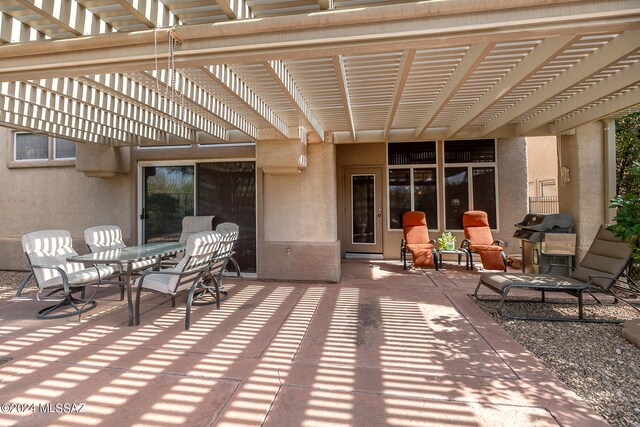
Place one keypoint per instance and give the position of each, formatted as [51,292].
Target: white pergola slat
[341,74]
[466,67]
[283,79]
[229,81]
[617,48]
[523,69]
[411,70]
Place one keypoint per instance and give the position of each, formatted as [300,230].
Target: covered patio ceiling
[149,72]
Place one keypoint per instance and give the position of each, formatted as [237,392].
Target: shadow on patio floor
[383,347]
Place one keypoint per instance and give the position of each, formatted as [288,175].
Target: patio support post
[582,192]
[609,167]
[297,212]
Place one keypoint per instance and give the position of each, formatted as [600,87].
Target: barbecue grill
[537,256]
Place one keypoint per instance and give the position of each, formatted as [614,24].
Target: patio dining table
[126,257]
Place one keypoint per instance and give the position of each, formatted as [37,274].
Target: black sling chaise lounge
[605,261]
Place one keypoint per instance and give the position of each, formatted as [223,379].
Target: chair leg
[236,266]
[173,301]
[23,284]
[187,317]
[137,311]
[435,258]
[580,305]
[69,300]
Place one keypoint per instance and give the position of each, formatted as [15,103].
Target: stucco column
[513,189]
[582,182]
[297,212]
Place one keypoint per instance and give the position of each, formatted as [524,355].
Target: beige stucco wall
[583,196]
[62,197]
[542,164]
[512,190]
[297,223]
[513,197]
[55,198]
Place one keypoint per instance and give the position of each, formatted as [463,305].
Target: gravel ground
[592,359]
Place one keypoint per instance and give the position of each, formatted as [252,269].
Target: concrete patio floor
[384,347]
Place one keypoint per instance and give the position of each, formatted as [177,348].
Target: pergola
[149,72]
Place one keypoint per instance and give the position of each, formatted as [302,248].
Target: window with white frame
[469,180]
[413,181]
[63,149]
[31,147]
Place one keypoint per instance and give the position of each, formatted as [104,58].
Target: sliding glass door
[226,190]
[167,197]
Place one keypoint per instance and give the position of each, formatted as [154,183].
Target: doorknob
[379,213]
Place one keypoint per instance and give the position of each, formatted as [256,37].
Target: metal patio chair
[478,239]
[230,227]
[195,273]
[416,241]
[598,272]
[107,237]
[47,252]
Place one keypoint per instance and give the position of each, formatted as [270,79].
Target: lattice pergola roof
[141,72]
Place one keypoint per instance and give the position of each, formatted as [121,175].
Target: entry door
[363,210]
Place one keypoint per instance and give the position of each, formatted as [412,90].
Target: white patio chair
[195,224]
[47,252]
[107,237]
[190,226]
[216,293]
[189,275]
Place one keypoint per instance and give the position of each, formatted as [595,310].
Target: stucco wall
[513,194]
[512,190]
[55,198]
[542,164]
[583,195]
[62,197]
[297,219]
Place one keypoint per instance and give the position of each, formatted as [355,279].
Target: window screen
[29,146]
[412,153]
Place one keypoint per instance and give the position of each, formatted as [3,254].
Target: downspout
[609,167]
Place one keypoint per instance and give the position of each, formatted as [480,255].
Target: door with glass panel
[363,210]
[167,197]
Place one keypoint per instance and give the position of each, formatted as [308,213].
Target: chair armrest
[63,275]
[433,242]
[602,276]
[464,244]
[403,244]
[498,242]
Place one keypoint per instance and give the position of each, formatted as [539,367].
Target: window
[413,181]
[30,149]
[29,146]
[470,180]
[64,149]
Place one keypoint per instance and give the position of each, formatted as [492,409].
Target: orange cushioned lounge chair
[478,240]
[416,240]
